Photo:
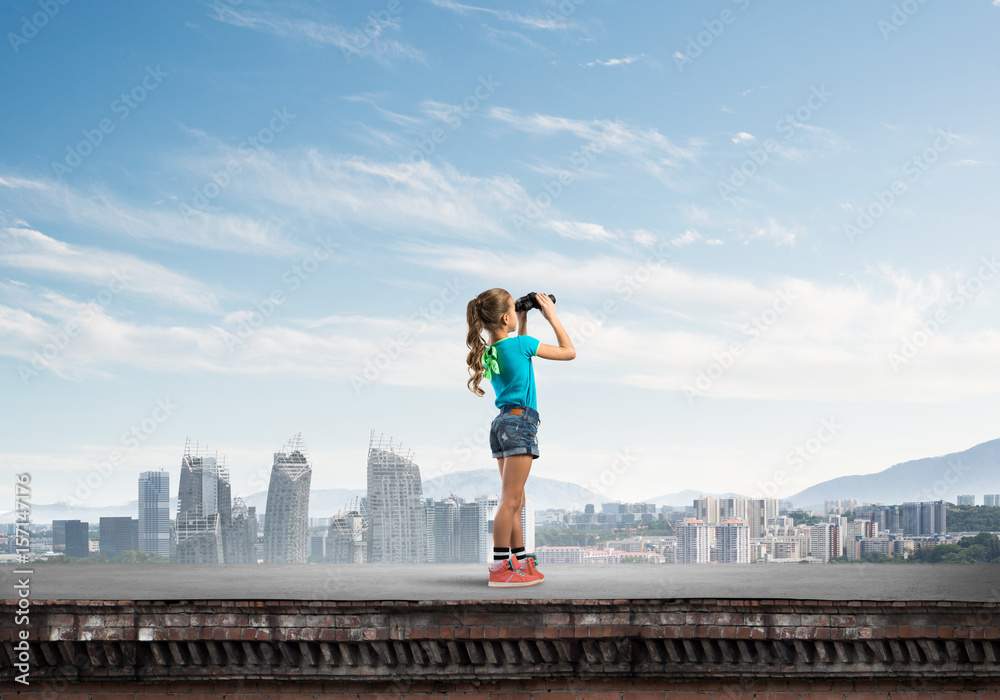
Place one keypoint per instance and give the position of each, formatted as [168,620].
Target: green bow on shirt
[490,363]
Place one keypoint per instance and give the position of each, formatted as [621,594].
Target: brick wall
[509,648]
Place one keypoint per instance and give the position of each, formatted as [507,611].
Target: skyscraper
[967,500]
[761,510]
[286,524]
[991,499]
[470,526]
[154,512]
[75,536]
[443,530]
[487,511]
[117,535]
[396,525]
[203,507]
[706,509]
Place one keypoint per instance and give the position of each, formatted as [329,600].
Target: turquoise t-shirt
[515,384]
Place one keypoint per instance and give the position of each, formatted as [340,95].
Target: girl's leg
[516,532]
[515,473]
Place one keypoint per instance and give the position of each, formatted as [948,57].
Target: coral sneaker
[529,562]
[505,576]
[528,567]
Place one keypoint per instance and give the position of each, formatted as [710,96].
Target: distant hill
[975,470]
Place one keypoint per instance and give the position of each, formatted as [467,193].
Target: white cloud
[656,153]
[49,200]
[774,232]
[614,61]
[26,249]
[367,42]
[829,342]
[552,22]
[743,137]
[580,230]
[686,238]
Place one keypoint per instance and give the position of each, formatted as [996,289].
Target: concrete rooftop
[385,582]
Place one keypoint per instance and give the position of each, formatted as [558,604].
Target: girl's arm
[565,349]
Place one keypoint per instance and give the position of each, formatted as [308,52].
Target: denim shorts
[515,432]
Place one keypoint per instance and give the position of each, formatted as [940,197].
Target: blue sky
[214,216]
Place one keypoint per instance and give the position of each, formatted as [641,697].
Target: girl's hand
[546,306]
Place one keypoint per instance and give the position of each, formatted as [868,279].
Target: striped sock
[500,553]
[519,553]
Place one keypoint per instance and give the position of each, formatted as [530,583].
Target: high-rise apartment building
[732,542]
[923,518]
[692,542]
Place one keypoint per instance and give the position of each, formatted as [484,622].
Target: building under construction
[204,508]
[346,542]
[241,544]
[396,525]
[286,519]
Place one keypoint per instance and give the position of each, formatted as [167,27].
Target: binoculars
[528,302]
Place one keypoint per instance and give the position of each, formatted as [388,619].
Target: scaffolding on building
[381,443]
[395,508]
[346,541]
[286,519]
[204,506]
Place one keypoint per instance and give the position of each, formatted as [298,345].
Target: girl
[506,363]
